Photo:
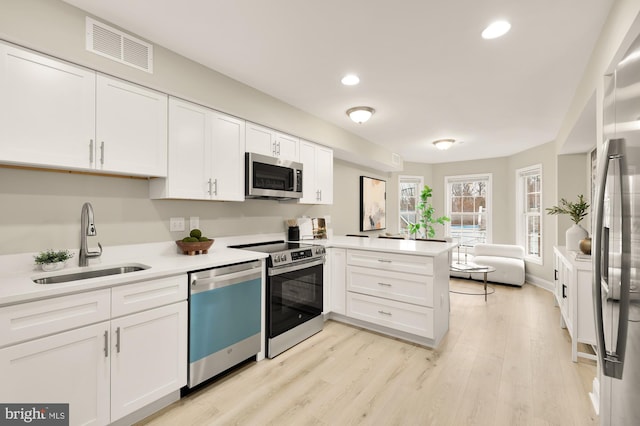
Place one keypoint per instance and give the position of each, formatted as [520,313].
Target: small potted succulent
[52,260]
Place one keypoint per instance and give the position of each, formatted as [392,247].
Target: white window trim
[406,177]
[476,176]
[520,214]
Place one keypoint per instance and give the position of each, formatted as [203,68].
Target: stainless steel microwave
[271,177]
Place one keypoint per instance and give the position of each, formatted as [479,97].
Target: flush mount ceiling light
[496,29]
[350,80]
[360,114]
[443,144]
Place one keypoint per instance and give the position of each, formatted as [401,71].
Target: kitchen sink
[92,273]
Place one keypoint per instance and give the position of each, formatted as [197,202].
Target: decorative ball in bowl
[195,243]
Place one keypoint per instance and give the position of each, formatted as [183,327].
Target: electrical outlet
[194,222]
[176,224]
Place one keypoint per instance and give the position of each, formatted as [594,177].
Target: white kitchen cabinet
[107,352]
[148,357]
[266,141]
[47,111]
[404,295]
[206,155]
[574,296]
[70,367]
[335,288]
[57,115]
[317,182]
[131,128]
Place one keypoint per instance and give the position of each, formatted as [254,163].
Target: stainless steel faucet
[87,229]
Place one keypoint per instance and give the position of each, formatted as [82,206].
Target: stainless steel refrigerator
[616,253]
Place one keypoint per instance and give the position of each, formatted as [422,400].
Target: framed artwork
[373,199]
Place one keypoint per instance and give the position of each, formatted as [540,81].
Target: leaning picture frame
[373,199]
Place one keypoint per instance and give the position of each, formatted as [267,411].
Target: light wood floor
[503,362]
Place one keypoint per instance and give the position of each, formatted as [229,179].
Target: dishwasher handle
[203,282]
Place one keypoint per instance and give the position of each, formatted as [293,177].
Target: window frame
[488,177]
[522,214]
[402,179]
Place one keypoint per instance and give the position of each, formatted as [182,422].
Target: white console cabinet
[107,353]
[574,296]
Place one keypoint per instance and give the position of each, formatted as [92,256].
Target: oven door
[294,295]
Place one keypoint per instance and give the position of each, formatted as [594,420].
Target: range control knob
[276,258]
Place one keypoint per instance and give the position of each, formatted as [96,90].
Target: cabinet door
[260,140]
[227,157]
[47,111]
[338,259]
[324,174]
[131,128]
[308,160]
[70,367]
[287,147]
[189,137]
[148,357]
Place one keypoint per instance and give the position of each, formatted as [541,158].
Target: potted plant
[577,211]
[52,260]
[426,212]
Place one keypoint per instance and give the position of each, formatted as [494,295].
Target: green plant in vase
[576,234]
[426,213]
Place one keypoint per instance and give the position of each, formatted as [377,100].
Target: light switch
[176,224]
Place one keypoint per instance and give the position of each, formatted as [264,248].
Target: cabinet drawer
[391,261]
[35,319]
[138,297]
[410,288]
[400,316]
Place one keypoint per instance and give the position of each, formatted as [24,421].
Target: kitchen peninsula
[396,287]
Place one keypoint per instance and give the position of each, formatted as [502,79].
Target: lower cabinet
[574,296]
[105,370]
[398,294]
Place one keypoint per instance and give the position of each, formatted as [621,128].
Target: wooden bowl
[201,247]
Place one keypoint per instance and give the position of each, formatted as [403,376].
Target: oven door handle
[295,267]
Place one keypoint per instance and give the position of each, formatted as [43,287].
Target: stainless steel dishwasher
[224,318]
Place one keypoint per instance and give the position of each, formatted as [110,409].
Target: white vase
[574,235]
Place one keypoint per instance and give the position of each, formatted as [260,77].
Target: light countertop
[163,259]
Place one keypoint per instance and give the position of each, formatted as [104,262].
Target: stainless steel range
[294,292]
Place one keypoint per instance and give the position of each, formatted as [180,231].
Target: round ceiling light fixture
[350,80]
[443,144]
[496,29]
[360,114]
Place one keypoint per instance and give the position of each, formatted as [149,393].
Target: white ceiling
[422,63]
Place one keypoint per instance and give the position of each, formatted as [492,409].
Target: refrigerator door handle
[612,361]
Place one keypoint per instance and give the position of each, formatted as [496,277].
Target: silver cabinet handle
[275,149]
[320,191]
[90,151]
[278,149]
[612,361]
[384,313]
[385,285]
[118,340]
[210,191]
[215,187]
[106,344]
[102,153]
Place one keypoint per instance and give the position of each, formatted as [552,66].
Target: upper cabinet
[206,155]
[131,128]
[265,141]
[47,111]
[58,115]
[317,173]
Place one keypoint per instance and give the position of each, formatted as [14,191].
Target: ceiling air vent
[121,47]
[395,159]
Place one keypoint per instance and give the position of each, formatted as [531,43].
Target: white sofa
[506,258]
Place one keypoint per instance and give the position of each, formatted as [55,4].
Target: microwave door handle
[611,362]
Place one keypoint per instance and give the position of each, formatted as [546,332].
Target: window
[529,211]
[469,208]
[410,187]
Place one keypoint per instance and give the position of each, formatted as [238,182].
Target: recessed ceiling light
[496,29]
[350,80]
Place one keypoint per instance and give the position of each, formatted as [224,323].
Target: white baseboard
[539,282]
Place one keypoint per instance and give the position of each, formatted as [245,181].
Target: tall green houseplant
[426,212]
